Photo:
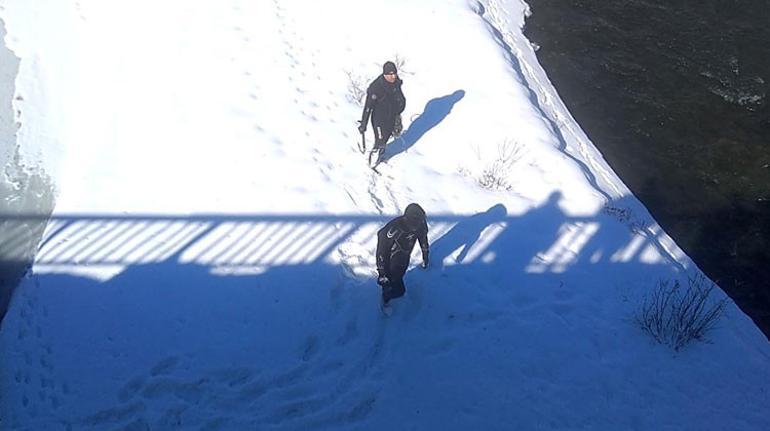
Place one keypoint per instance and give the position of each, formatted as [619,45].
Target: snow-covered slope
[209,263]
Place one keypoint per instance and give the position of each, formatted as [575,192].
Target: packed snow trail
[209,264]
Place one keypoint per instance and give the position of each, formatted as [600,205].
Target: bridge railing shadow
[270,289]
[545,239]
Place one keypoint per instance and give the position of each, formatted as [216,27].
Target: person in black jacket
[384,103]
[395,242]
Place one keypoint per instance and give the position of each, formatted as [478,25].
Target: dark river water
[675,95]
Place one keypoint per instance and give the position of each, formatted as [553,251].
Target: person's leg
[381,136]
[396,288]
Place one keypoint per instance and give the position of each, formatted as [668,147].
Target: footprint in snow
[351,332]
[310,348]
[165,366]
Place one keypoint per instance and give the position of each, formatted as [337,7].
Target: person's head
[414,216]
[389,72]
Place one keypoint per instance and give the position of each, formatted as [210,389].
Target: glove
[362,128]
[383,280]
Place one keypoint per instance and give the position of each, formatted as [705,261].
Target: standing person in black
[384,103]
[395,242]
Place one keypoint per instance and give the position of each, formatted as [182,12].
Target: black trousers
[381,136]
[399,262]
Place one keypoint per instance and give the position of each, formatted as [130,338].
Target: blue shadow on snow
[435,111]
[262,305]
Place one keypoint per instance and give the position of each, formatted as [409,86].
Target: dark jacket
[396,240]
[384,101]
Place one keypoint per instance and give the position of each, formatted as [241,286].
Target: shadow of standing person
[435,111]
[465,234]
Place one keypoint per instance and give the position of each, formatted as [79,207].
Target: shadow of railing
[542,240]
[284,290]
[297,248]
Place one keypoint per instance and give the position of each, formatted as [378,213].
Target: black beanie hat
[388,67]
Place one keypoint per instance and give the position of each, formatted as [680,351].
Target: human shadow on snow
[436,110]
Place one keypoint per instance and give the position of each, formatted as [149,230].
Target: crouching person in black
[395,242]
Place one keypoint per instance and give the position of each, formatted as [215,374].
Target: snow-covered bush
[626,216]
[356,88]
[494,175]
[675,316]
[400,62]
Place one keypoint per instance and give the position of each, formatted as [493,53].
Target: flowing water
[674,94]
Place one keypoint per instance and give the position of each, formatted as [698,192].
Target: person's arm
[422,237]
[384,246]
[371,101]
[401,98]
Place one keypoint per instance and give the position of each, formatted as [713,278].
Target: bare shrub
[626,216]
[494,176]
[464,171]
[400,63]
[356,89]
[675,316]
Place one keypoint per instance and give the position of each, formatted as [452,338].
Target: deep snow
[209,262]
